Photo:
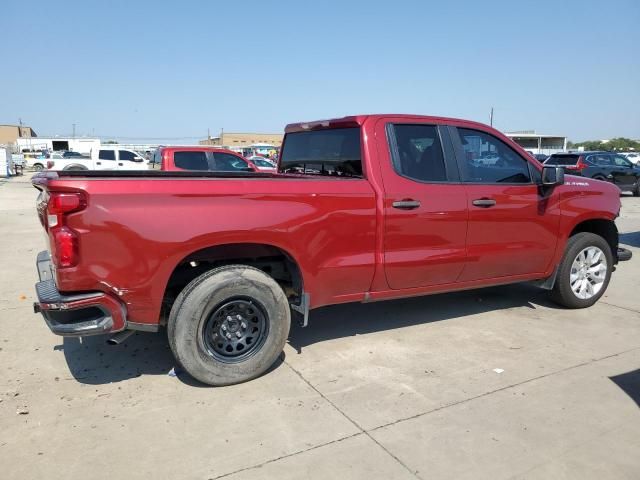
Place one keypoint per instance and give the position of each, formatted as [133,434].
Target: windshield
[334,152]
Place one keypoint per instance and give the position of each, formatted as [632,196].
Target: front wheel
[38,167]
[229,325]
[585,271]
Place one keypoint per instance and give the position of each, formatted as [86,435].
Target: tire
[636,191]
[600,177]
[195,328]
[38,167]
[562,292]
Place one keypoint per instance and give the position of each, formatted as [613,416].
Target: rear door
[513,229]
[425,207]
[106,160]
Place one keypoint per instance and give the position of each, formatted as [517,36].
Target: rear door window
[417,153]
[188,160]
[334,152]
[602,160]
[107,155]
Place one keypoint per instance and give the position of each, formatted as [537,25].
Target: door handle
[119,164]
[98,163]
[484,202]
[406,204]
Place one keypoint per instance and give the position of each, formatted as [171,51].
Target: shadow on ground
[629,383]
[359,319]
[631,239]
[92,361]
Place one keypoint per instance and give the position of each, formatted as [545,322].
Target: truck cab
[199,158]
[106,157]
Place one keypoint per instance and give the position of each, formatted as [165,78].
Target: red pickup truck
[192,157]
[363,208]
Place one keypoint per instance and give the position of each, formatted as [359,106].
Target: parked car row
[607,166]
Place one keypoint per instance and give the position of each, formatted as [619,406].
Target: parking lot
[496,383]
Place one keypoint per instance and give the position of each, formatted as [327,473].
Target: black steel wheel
[235,330]
[229,325]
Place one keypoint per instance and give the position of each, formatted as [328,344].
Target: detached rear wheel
[229,325]
[585,271]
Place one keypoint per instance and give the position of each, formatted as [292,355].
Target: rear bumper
[89,313]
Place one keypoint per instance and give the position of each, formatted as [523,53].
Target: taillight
[50,164]
[64,248]
[65,202]
[581,165]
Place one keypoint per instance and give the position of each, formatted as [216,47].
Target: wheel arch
[602,227]
[75,166]
[273,260]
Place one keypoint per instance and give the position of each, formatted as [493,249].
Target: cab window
[188,160]
[107,155]
[229,163]
[126,155]
[488,159]
[418,153]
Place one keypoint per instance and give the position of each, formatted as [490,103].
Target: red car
[199,158]
[364,208]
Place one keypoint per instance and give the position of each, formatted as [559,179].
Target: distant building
[10,133]
[539,143]
[227,139]
[53,144]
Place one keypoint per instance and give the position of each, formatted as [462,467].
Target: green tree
[615,144]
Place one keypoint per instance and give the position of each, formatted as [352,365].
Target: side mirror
[552,176]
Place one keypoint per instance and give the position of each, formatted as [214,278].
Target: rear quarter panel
[134,232]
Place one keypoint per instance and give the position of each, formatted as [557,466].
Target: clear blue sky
[170,70]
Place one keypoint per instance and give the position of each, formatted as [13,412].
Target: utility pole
[74,131]
[491,117]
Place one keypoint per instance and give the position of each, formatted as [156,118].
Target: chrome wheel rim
[588,272]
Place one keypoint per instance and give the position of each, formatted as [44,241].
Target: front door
[623,171]
[425,207]
[513,224]
[128,160]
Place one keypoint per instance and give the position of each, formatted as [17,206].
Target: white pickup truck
[105,158]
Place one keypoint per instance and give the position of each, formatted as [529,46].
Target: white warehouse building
[82,145]
[539,143]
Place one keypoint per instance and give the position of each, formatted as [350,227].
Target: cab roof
[359,120]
